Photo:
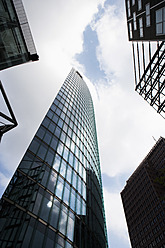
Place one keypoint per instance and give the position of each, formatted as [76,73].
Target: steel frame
[150,79]
[12,120]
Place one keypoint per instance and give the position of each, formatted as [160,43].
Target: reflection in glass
[70,226]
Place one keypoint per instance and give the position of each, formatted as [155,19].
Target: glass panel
[27,237]
[46,122]
[84,191]
[71,158]
[50,114]
[159,17]
[49,157]
[72,199]
[147,9]
[65,154]
[79,185]
[66,193]
[140,23]
[60,148]
[70,226]
[63,168]
[45,176]
[45,207]
[47,137]
[74,179]
[56,163]
[41,131]
[50,238]
[52,127]
[69,174]
[76,163]
[39,236]
[63,220]
[83,208]
[159,28]
[54,143]
[52,181]
[42,151]
[60,123]
[78,207]
[148,20]
[62,137]
[37,203]
[59,187]
[34,145]
[55,118]
[134,21]
[139,4]
[67,245]
[55,213]
[57,132]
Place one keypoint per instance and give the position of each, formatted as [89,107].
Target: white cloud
[114,51]
[125,122]
[115,216]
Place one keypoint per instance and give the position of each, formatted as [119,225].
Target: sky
[90,36]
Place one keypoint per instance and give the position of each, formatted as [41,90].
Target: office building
[146,30]
[7,121]
[145,20]
[144,200]
[55,196]
[16,42]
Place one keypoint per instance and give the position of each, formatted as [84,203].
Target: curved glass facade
[55,197]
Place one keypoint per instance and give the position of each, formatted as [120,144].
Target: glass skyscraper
[55,196]
[16,42]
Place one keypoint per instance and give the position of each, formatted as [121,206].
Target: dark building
[7,122]
[146,30]
[16,42]
[144,200]
[55,196]
[145,19]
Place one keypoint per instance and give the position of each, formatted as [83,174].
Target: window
[133,2]
[147,15]
[134,21]
[141,27]
[139,4]
[160,21]
[130,30]
[128,7]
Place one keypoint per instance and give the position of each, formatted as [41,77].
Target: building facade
[16,42]
[144,200]
[145,19]
[55,196]
[146,30]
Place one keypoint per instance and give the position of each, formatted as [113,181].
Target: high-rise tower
[144,200]
[55,196]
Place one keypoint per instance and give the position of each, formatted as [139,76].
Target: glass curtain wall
[55,196]
[13,46]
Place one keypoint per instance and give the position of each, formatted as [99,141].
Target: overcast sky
[91,36]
